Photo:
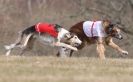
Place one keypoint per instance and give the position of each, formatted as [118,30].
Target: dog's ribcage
[45,39]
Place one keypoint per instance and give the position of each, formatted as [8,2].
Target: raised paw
[7,47]
[125,52]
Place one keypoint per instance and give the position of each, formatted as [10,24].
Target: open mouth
[76,44]
[119,37]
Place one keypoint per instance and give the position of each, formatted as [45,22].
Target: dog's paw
[125,52]
[75,49]
[8,52]
[7,47]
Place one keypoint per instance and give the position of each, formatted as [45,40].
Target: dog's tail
[28,31]
[11,46]
[17,42]
[21,34]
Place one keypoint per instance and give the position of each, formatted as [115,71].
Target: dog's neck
[57,27]
[105,25]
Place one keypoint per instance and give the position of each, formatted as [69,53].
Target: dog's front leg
[65,45]
[113,45]
[100,48]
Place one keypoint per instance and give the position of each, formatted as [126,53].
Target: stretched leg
[60,44]
[116,47]
[71,50]
[62,52]
[58,54]
[28,44]
[79,47]
[71,53]
[16,44]
[100,48]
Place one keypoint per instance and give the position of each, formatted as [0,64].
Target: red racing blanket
[46,28]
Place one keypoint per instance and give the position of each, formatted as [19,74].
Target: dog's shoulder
[58,27]
[63,31]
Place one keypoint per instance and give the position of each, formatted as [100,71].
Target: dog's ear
[58,26]
[110,28]
[68,35]
[106,23]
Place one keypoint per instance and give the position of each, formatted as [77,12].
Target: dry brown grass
[52,69]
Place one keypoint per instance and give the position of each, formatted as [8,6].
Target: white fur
[125,52]
[45,39]
[62,33]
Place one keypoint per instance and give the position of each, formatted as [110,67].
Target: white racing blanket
[92,29]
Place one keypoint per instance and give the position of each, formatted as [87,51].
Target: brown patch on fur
[78,30]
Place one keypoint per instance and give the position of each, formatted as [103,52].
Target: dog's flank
[27,37]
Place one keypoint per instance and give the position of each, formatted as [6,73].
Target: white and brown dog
[99,32]
[52,34]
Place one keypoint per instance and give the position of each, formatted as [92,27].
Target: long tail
[17,42]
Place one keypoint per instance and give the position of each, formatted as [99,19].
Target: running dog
[99,32]
[52,34]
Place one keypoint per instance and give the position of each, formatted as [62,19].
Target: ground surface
[52,69]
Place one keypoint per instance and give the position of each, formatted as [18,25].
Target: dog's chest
[93,29]
[46,28]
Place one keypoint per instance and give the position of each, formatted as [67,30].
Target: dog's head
[72,39]
[113,30]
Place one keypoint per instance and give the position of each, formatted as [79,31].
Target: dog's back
[78,30]
[29,30]
[32,29]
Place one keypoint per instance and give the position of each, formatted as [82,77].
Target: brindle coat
[111,30]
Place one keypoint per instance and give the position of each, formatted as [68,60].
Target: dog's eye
[76,37]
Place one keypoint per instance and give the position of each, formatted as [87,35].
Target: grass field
[52,69]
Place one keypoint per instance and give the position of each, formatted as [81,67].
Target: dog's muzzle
[118,36]
[78,43]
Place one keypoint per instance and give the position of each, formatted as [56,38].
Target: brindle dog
[111,31]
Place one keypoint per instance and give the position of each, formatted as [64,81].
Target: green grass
[52,69]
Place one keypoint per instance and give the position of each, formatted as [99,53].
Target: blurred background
[16,15]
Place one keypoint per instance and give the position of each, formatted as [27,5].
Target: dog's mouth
[76,44]
[119,37]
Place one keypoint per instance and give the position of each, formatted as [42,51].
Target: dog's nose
[80,42]
[120,37]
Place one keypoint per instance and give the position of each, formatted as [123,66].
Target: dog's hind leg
[27,44]
[27,39]
[71,52]
[79,48]
[8,47]
[16,44]
[63,52]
